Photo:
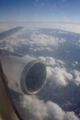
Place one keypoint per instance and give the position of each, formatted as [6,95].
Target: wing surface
[9,32]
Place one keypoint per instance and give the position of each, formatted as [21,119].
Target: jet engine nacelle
[25,74]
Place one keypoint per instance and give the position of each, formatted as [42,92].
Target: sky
[65,11]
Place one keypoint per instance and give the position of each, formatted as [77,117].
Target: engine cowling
[26,75]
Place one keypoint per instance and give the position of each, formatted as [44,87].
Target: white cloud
[75,63]
[67,27]
[56,72]
[8,48]
[39,110]
[45,40]
[41,49]
[60,62]
[35,106]
[77,77]
[33,37]
[59,75]
[61,26]
[64,32]
[70,116]
[48,60]
[14,41]
[54,111]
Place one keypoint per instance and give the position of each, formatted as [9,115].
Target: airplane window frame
[2,77]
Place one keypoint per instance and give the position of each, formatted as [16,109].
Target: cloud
[61,26]
[76,77]
[14,41]
[54,111]
[35,106]
[66,27]
[39,110]
[75,63]
[9,48]
[48,60]
[45,40]
[58,75]
[56,72]
[63,32]
[32,38]
[41,49]
[70,116]
[60,62]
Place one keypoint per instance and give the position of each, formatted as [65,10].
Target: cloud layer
[33,38]
[44,111]
[56,70]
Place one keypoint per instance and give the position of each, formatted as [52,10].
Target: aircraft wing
[7,33]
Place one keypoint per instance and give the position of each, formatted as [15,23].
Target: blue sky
[40,11]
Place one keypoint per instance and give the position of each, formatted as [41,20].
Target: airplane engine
[25,74]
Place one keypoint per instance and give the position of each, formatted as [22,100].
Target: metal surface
[9,32]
